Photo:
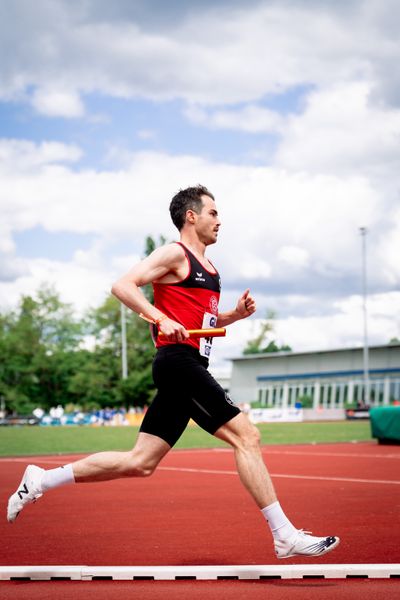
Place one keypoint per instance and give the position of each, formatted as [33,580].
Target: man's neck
[194,244]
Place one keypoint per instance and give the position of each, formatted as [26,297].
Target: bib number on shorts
[209,321]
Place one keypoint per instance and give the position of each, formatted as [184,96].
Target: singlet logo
[214,305]
[199,277]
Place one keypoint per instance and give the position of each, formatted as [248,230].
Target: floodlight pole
[363,231]
[123,343]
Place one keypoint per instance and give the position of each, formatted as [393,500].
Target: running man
[186,294]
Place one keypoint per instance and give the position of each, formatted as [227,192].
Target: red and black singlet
[192,302]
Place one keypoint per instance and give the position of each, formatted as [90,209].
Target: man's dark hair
[188,199]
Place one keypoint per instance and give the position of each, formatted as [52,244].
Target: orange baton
[200,333]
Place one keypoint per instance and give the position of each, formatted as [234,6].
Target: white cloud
[272,209]
[293,238]
[7,245]
[293,256]
[122,264]
[21,156]
[251,119]
[11,269]
[389,251]
[147,134]
[212,55]
[290,230]
[319,214]
[340,131]
[335,331]
[58,103]
[77,284]
[251,267]
[342,328]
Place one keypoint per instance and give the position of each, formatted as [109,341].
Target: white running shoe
[303,544]
[29,490]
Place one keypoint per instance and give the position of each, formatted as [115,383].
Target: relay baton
[193,333]
[200,333]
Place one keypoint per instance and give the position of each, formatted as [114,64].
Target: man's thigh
[167,416]
[185,390]
[211,406]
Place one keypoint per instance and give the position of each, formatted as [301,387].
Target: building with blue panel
[328,379]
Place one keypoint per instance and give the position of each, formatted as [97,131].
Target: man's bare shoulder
[170,253]
[170,262]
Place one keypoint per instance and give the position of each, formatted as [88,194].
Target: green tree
[34,339]
[150,245]
[103,325]
[49,357]
[263,341]
[93,384]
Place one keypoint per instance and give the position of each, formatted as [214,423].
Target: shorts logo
[214,305]
[229,399]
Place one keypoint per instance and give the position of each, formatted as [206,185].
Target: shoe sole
[325,551]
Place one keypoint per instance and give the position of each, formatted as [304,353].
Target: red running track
[193,510]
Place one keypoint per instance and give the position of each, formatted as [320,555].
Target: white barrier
[276,415]
[201,572]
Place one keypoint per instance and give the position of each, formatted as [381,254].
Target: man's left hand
[246,305]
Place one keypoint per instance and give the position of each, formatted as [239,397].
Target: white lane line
[266,452]
[28,460]
[343,479]
[60,459]
[334,454]
[226,472]
[284,476]
[177,452]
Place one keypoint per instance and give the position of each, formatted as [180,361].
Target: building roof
[325,374]
[272,355]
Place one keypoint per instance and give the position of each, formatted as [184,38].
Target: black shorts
[185,390]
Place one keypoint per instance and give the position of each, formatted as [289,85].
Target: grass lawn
[25,441]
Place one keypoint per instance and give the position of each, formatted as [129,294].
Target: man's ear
[190,218]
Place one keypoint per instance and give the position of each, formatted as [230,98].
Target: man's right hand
[173,331]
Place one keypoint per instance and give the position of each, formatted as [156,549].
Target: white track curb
[196,572]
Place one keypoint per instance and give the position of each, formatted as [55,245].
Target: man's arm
[245,307]
[159,264]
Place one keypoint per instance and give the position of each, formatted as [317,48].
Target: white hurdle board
[200,572]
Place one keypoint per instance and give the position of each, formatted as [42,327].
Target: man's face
[207,222]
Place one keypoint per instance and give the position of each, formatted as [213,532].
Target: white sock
[56,477]
[281,527]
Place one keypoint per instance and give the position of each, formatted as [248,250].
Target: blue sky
[288,111]
[138,124]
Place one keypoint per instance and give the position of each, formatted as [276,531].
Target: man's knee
[141,466]
[248,440]
[240,434]
[144,471]
[144,458]
[251,437]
